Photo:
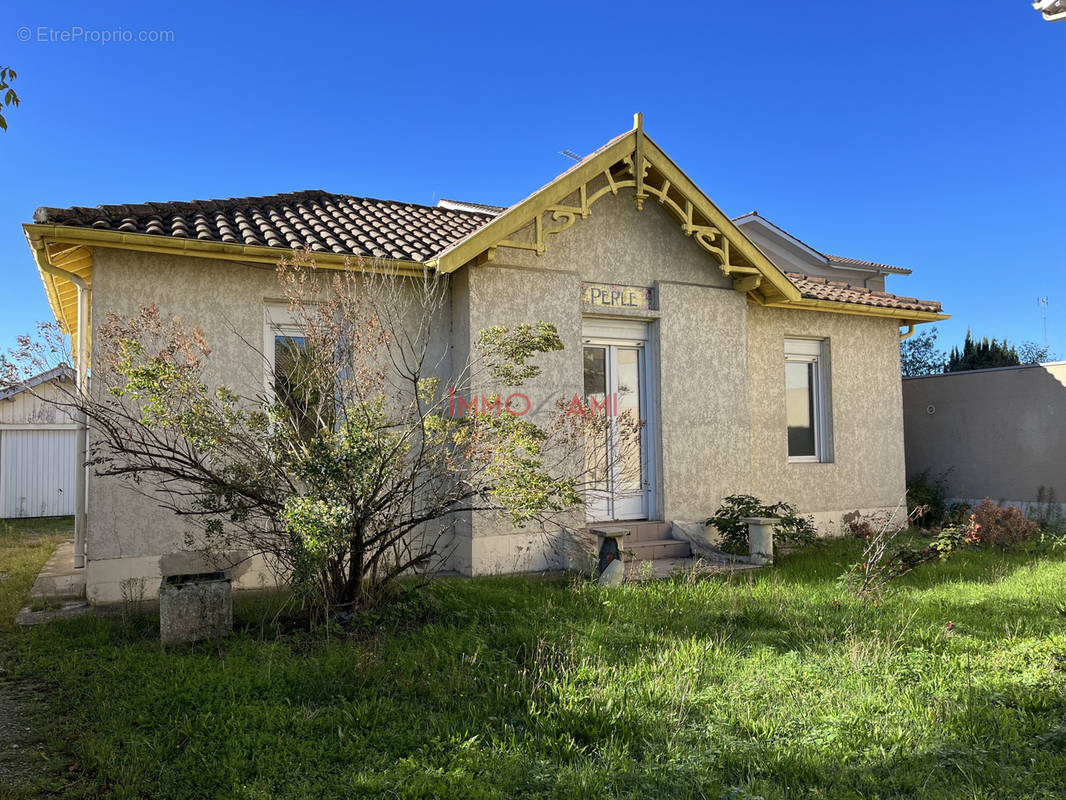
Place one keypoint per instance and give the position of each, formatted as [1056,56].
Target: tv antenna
[570,154]
[1042,302]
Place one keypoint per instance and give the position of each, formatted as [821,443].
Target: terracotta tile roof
[836,291]
[319,221]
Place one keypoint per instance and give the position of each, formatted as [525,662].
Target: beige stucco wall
[227,301]
[867,470]
[998,433]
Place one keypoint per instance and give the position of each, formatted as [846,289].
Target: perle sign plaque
[607,295]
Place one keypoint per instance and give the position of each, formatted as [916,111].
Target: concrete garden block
[195,607]
[761,539]
[609,544]
[614,574]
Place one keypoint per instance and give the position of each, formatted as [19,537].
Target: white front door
[619,443]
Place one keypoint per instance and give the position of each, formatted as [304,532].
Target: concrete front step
[647,541]
[638,531]
[658,548]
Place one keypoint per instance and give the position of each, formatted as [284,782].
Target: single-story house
[38,446]
[764,366]
[998,433]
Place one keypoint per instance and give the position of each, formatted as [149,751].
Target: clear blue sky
[923,134]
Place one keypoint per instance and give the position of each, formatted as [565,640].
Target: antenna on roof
[570,154]
[1042,302]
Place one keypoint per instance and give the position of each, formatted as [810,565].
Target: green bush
[791,528]
[927,499]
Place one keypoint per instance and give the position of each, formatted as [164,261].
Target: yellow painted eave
[173,245]
[904,316]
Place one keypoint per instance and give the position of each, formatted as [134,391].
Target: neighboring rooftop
[477,208]
[62,372]
[830,260]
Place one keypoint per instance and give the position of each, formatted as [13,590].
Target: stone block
[195,607]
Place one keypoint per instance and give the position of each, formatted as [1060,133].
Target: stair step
[650,550]
[639,531]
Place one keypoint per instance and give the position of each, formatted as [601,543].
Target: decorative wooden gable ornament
[631,161]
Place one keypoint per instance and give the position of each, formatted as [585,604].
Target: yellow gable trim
[631,161]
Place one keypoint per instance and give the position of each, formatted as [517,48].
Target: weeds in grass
[764,684]
[131,590]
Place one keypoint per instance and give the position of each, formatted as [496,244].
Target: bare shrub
[370,442]
[1002,526]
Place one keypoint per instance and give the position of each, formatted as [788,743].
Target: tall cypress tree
[982,355]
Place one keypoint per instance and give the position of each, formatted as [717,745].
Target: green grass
[25,545]
[771,685]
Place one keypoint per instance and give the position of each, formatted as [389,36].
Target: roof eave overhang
[902,315]
[151,243]
[55,245]
[880,269]
[781,233]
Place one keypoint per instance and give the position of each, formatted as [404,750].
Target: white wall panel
[37,472]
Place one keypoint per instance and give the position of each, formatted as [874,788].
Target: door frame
[636,333]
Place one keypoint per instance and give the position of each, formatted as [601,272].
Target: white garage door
[37,472]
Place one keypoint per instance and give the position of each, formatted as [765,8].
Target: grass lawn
[25,545]
[769,685]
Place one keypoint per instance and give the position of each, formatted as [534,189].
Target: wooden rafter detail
[631,161]
[640,173]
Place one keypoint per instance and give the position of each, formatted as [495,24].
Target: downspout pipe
[907,333]
[82,439]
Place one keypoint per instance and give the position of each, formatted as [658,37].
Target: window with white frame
[281,332]
[287,379]
[807,400]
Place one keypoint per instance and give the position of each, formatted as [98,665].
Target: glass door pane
[628,418]
[597,433]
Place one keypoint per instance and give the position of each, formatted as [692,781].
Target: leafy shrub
[958,514]
[1002,526]
[927,499]
[954,537]
[866,527]
[791,528]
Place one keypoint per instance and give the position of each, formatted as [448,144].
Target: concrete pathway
[58,592]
